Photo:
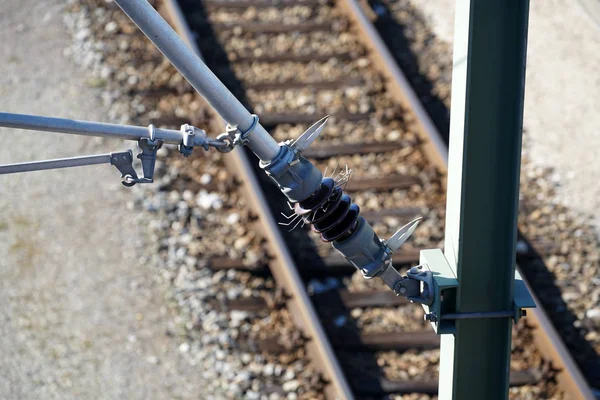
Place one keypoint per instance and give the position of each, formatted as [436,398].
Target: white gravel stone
[291,386]
[594,313]
[268,369]
[207,200]
[68,246]
[184,347]
[233,218]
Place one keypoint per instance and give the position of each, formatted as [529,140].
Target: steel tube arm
[55,164]
[86,128]
[199,75]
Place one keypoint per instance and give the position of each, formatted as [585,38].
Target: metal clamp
[424,283]
[192,136]
[242,138]
[124,162]
[416,286]
[233,137]
[443,285]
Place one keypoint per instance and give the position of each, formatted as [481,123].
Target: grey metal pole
[199,75]
[86,128]
[55,164]
[483,186]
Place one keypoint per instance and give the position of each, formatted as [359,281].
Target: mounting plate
[444,289]
[442,312]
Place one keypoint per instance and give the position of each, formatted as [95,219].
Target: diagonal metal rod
[55,164]
[86,128]
[199,75]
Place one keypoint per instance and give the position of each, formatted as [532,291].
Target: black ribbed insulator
[329,211]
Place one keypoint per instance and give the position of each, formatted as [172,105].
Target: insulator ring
[329,211]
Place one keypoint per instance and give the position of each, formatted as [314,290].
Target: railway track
[279,58]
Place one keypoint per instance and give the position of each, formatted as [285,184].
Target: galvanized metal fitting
[191,136]
[431,317]
[365,251]
[295,176]
[373,258]
[233,137]
[242,138]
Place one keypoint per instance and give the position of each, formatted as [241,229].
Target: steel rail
[546,337]
[396,83]
[284,269]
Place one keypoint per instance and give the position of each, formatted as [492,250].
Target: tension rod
[123,161]
[55,164]
[87,128]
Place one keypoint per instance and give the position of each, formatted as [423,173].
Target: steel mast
[486,121]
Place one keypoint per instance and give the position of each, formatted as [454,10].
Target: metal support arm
[123,161]
[55,164]
[87,128]
[149,140]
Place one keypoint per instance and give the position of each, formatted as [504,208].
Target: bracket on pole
[442,311]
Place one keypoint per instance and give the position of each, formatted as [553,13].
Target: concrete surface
[562,95]
[80,317]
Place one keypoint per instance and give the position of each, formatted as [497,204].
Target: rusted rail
[546,337]
[284,269]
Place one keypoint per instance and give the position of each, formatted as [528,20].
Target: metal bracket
[233,137]
[242,138]
[416,286]
[192,136]
[441,312]
[124,162]
[424,283]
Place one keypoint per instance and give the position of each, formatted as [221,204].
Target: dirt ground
[80,316]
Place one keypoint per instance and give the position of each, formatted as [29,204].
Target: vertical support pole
[483,185]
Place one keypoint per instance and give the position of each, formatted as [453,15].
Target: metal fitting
[242,138]
[233,137]
[365,251]
[431,317]
[295,176]
[191,136]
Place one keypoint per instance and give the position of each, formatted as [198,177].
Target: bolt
[523,313]
[416,269]
[431,317]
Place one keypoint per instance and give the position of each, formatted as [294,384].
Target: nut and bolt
[431,317]
[523,312]
[416,270]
